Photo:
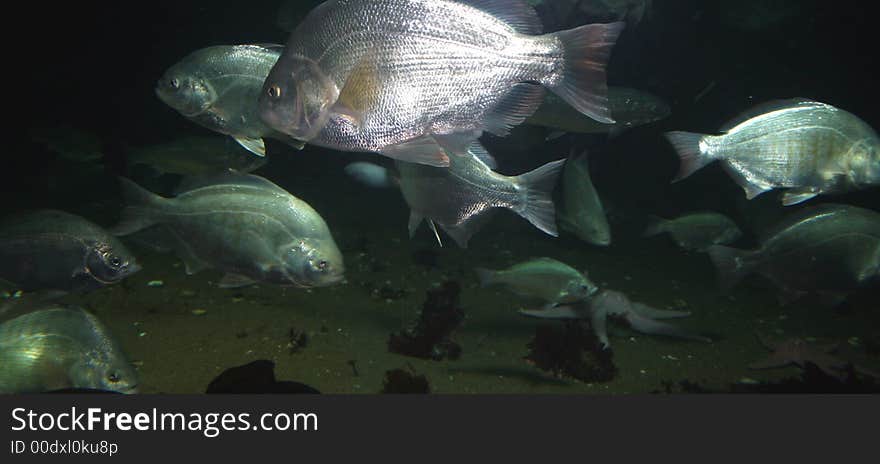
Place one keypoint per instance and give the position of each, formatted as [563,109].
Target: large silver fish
[57,347]
[54,250]
[629,108]
[697,231]
[808,147]
[413,79]
[244,225]
[582,213]
[551,281]
[829,250]
[457,198]
[218,87]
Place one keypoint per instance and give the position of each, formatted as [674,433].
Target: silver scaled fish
[415,79]
[458,198]
[807,147]
[55,347]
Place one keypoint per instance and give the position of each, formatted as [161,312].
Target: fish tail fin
[538,186]
[139,214]
[656,226]
[582,83]
[691,157]
[730,263]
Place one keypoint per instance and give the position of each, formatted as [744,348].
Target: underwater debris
[256,377]
[401,381]
[296,340]
[429,337]
[571,350]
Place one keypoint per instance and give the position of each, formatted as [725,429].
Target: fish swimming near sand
[61,347]
[243,225]
[582,212]
[697,231]
[55,250]
[551,281]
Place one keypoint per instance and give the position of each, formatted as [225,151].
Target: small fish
[611,303]
[697,231]
[415,80]
[549,280]
[629,108]
[457,198]
[58,347]
[217,87]
[827,250]
[241,224]
[193,156]
[54,250]
[808,147]
[370,175]
[582,213]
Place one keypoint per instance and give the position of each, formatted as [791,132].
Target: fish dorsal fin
[271,46]
[767,107]
[480,153]
[518,105]
[360,93]
[229,177]
[521,16]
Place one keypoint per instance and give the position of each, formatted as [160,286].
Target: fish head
[597,231]
[580,290]
[312,263]
[187,92]
[864,162]
[297,98]
[110,261]
[105,368]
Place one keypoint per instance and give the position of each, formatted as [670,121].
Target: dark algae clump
[429,338]
[571,350]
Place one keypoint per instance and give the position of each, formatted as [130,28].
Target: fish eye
[322,265]
[115,261]
[175,84]
[274,92]
[113,377]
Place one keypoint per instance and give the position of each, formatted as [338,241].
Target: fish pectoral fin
[421,150]
[795,196]
[360,93]
[232,280]
[253,145]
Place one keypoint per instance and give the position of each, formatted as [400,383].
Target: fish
[697,231]
[611,303]
[415,80]
[241,224]
[582,213]
[457,198]
[807,147]
[70,143]
[551,281]
[828,250]
[55,250]
[194,156]
[53,347]
[629,108]
[371,175]
[217,87]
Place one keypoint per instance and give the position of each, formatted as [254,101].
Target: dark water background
[94,65]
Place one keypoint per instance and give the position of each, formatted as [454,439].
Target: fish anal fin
[521,102]
[421,150]
[795,196]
